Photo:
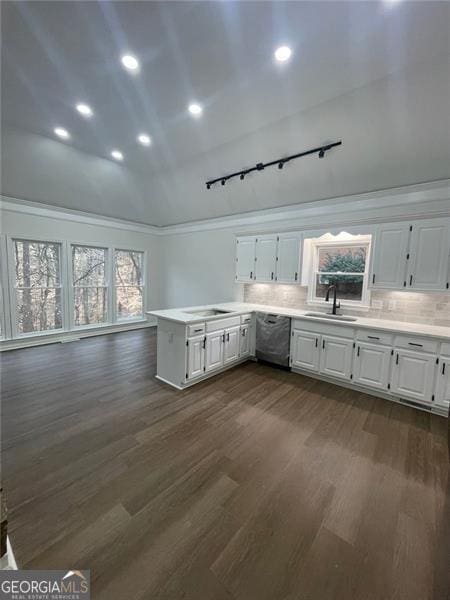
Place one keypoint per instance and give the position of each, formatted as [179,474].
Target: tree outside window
[129,284]
[342,265]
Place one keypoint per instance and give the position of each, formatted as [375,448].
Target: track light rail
[279,161]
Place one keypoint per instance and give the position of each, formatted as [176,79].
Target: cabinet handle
[317,342]
[271,276]
[413,344]
[396,360]
[198,330]
[204,342]
[323,344]
[243,333]
[373,337]
[228,337]
[357,354]
[223,338]
[251,274]
[443,368]
[373,278]
[296,277]
[410,279]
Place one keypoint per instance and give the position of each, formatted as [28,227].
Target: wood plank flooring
[258,484]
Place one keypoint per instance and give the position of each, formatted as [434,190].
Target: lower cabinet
[413,375]
[214,350]
[231,344]
[244,348]
[372,365]
[196,356]
[306,350]
[442,396]
[336,357]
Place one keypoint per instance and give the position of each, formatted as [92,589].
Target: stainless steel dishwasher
[273,338]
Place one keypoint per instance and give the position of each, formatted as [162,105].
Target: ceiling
[374,74]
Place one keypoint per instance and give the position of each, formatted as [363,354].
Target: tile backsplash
[430,308]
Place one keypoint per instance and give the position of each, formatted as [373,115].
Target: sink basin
[332,317]
[208,312]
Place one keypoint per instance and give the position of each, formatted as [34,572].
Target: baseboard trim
[70,336]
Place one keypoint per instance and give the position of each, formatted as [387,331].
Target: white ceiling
[374,74]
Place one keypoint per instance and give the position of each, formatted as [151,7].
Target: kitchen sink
[208,312]
[332,317]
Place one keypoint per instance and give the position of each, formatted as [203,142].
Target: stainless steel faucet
[336,305]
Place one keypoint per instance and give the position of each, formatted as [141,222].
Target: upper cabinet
[390,250]
[269,258]
[245,258]
[266,258]
[412,256]
[289,255]
[429,255]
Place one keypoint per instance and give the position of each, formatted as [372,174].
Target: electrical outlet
[392,305]
[377,304]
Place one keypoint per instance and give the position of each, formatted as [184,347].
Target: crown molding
[423,200]
[38,209]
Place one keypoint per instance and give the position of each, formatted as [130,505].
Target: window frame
[318,244]
[12,287]
[142,286]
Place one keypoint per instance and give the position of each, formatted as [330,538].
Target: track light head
[280,164]
[241,176]
[321,153]
[223,182]
[208,186]
[260,167]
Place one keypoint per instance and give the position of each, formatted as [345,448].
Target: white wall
[198,268]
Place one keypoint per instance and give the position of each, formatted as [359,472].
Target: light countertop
[182,315]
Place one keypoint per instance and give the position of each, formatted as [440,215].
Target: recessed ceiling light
[62,133]
[84,110]
[195,109]
[130,62]
[144,139]
[117,154]
[283,53]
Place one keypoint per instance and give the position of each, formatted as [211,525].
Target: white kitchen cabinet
[305,350]
[442,396]
[429,255]
[289,252]
[371,365]
[231,344]
[390,249]
[195,356]
[245,258]
[336,357]
[244,348]
[413,375]
[214,350]
[266,257]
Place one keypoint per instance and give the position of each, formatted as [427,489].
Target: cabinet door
[231,346]
[195,356]
[214,350]
[336,357]
[266,256]
[244,349]
[442,397]
[289,258]
[389,256]
[413,375]
[305,350]
[429,255]
[372,364]
[245,258]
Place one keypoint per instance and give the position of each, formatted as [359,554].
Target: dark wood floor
[257,484]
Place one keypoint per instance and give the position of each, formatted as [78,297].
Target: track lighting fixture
[320,150]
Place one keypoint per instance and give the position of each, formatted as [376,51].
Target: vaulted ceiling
[374,74]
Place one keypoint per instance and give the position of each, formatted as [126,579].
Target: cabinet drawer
[219,324]
[246,318]
[445,348]
[415,343]
[324,328]
[196,329]
[374,336]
